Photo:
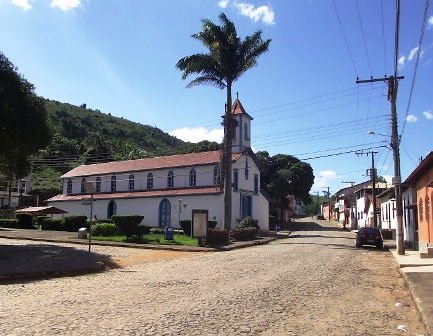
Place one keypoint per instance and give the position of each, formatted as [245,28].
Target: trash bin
[168,233]
[82,233]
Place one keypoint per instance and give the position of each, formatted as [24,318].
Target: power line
[363,37]
[344,36]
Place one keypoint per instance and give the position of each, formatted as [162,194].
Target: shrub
[249,222]
[246,233]
[106,230]
[25,221]
[212,224]
[143,229]
[8,223]
[217,236]
[137,240]
[185,224]
[128,224]
[47,223]
[74,223]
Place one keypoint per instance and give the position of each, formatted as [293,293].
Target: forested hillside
[85,136]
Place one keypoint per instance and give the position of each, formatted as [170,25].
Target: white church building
[159,187]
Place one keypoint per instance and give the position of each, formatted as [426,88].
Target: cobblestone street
[313,283]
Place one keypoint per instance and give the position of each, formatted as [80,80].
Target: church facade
[168,189]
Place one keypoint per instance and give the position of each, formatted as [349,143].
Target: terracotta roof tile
[139,193]
[173,161]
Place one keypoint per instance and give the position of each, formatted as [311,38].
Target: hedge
[128,224]
[25,221]
[8,223]
[74,223]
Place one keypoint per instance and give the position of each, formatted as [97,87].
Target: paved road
[314,283]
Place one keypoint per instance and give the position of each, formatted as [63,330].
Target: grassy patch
[155,239]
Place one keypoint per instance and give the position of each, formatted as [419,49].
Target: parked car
[369,236]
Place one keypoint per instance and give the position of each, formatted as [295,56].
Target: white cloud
[24,4]
[324,180]
[388,178]
[66,5]
[195,135]
[430,22]
[263,13]
[411,118]
[401,62]
[412,53]
[223,3]
[428,114]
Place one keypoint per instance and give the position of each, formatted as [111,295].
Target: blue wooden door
[164,213]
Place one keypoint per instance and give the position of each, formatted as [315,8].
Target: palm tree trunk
[227,160]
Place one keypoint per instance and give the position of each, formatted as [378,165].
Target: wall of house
[425,218]
[388,215]
[362,217]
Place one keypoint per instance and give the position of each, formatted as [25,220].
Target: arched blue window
[83,185]
[170,179]
[69,187]
[247,170]
[98,184]
[113,183]
[131,182]
[150,181]
[192,178]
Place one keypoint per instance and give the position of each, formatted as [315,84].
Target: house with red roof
[158,188]
[421,180]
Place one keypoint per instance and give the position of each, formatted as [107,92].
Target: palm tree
[228,59]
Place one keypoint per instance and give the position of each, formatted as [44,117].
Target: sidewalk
[419,278]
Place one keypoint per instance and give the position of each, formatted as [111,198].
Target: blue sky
[119,57]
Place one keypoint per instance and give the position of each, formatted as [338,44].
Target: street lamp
[179,209]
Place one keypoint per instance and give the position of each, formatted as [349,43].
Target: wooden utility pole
[395,143]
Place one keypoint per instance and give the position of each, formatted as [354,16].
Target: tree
[285,174]
[228,59]
[23,122]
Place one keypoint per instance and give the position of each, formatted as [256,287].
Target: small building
[421,179]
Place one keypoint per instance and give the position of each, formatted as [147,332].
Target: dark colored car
[369,236]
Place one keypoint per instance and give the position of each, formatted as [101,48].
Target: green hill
[85,136]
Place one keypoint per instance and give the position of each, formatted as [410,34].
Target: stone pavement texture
[52,254]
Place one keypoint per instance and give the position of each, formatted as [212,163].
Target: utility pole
[395,143]
[328,194]
[373,181]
